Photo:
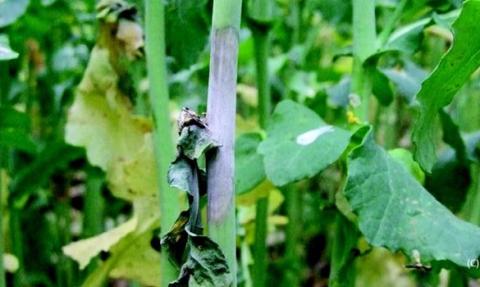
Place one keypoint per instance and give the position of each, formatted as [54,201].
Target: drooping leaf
[11,10]
[138,261]
[132,257]
[396,212]
[101,116]
[249,170]
[84,250]
[299,144]
[206,265]
[438,90]
[102,121]
[175,241]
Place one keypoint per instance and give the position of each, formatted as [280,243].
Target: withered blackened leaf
[195,140]
[175,241]
[206,265]
[180,174]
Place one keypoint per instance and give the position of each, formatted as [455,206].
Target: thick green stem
[261,14]
[364,45]
[159,98]
[221,111]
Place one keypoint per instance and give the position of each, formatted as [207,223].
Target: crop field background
[254,143]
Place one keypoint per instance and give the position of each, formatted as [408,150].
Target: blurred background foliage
[310,62]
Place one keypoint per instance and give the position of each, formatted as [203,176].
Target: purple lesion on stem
[221,110]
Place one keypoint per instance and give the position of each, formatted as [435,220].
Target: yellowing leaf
[100,118]
[135,177]
[139,262]
[84,250]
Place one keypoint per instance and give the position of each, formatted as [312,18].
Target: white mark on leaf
[310,136]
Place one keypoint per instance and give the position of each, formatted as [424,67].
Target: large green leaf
[396,212]
[299,144]
[10,10]
[249,171]
[448,77]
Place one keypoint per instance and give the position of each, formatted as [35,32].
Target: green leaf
[407,81]
[396,212]
[17,139]
[406,39]
[405,157]
[11,118]
[187,28]
[206,265]
[380,86]
[452,136]
[438,90]
[449,180]
[299,144]
[11,10]
[249,171]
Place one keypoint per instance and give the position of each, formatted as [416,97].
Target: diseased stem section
[221,110]
[159,99]
[364,45]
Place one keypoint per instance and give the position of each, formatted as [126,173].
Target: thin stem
[392,22]
[364,45]
[293,198]
[94,203]
[474,216]
[2,243]
[159,98]
[17,246]
[221,110]
[261,12]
